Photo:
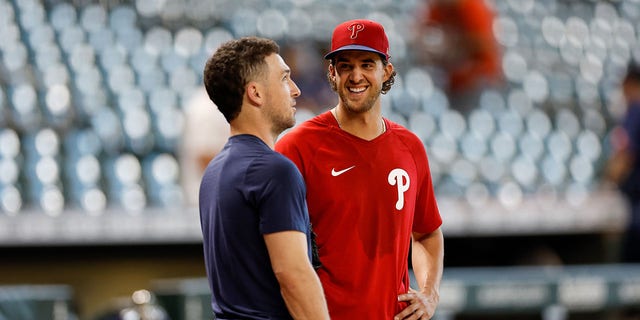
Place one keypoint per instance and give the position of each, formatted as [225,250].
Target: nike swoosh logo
[337,173]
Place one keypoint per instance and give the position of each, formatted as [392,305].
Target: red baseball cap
[359,34]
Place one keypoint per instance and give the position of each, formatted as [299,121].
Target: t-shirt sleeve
[632,126]
[281,199]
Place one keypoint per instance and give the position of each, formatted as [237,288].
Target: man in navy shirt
[626,143]
[253,211]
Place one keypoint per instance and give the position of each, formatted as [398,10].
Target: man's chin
[285,126]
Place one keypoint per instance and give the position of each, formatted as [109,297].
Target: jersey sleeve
[281,197]
[427,216]
[286,147]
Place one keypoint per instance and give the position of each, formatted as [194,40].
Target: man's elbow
[437,234]
[288,277]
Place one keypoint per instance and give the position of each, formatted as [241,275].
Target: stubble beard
[359,107]
[281,122]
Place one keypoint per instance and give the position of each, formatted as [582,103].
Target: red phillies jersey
[364,198]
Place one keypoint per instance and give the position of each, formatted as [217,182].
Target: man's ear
[388,70]
[331,70]
[254,93]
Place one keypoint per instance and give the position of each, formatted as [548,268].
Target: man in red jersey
[369,189]
[456,37]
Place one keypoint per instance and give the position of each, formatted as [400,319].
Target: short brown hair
[234,64]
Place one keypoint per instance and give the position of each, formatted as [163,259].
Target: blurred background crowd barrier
[36,302]
[100,143]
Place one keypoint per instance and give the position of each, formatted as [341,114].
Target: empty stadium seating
[92,100]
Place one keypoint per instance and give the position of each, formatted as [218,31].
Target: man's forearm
[303,294]
[427,260]
[299,284]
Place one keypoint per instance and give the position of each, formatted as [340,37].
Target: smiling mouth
[357,90]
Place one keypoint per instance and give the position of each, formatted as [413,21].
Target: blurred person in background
[142,305]
[253,213]
[205,133]
[624,167]
[456,39]
[370,194]
[309,76]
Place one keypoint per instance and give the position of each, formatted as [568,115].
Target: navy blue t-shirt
[248,190]
[631,185]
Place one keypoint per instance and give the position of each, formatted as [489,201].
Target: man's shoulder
[402,131]
[275,166]
[319,122]
[305,130]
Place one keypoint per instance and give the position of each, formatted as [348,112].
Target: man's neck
[267,138]
[367,126]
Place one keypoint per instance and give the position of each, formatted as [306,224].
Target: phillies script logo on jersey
[399,178]
[355,28]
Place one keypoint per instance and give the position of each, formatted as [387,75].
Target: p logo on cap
[359,34]
[355,28]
